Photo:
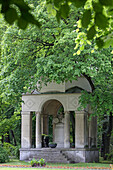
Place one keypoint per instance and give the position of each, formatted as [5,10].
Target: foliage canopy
[97,16]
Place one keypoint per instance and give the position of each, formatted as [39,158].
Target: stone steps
[51,156]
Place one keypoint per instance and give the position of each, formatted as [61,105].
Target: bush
[36,163]
[3,155]
[13,151]
[42,162]
[110,156]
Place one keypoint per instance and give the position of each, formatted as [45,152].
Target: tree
[20,51]
[48,53]
[97,16]
[14,10]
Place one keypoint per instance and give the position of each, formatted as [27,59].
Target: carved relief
[59,119]
[73,103]
[29,103]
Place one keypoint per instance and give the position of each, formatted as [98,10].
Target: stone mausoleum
[47,102]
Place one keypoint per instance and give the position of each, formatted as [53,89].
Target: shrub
[110,156]
[3,155]
[42,162]
[35,163]
[13,151]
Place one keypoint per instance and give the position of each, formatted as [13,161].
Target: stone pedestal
[67,130]
[26,130]
[59,135]
[38,130]
[80,129]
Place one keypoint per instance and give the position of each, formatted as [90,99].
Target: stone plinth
[59,135]
[74,155]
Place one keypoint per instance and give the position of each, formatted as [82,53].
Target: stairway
[51,156]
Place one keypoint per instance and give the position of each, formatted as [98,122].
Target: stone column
[26,130]
[80,129]
[53,130]
[42,125]
[45,124]
[93,132]
[38,130]
[67,130]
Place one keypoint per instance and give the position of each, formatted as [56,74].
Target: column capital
[37,112]
[80,112]
[45,115]
[26,113]
[66,112]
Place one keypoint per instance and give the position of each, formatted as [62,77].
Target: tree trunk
[13,136]
[7,138]
[107,128]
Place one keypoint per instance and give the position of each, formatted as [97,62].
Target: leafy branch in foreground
[9,8]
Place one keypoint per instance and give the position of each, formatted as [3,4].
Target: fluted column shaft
[26,130]
[38,130]
[80,129]
[67,130]
[93,132]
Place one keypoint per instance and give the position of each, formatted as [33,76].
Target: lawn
[56,166]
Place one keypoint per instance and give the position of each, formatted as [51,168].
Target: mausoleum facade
[47,102]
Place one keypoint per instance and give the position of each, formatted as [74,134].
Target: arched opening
[52,123]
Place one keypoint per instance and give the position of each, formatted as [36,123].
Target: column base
[38,146]
[66,145]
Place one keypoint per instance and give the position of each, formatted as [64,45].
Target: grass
[58,166]
[5,168]
[100,164]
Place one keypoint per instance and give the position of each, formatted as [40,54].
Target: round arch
[50,99]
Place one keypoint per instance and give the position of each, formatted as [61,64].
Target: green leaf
[86,18]
[49,7]
[91,33]
[65,10]
[22,23]
[106,2]
[82,48]
[99,42]
[57,3]
[58,16]
[78,3]
[97,7]
[30,18]
[11,15]
[110,11]
[51,10]
[21,4]
[108,42]
[101,20]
